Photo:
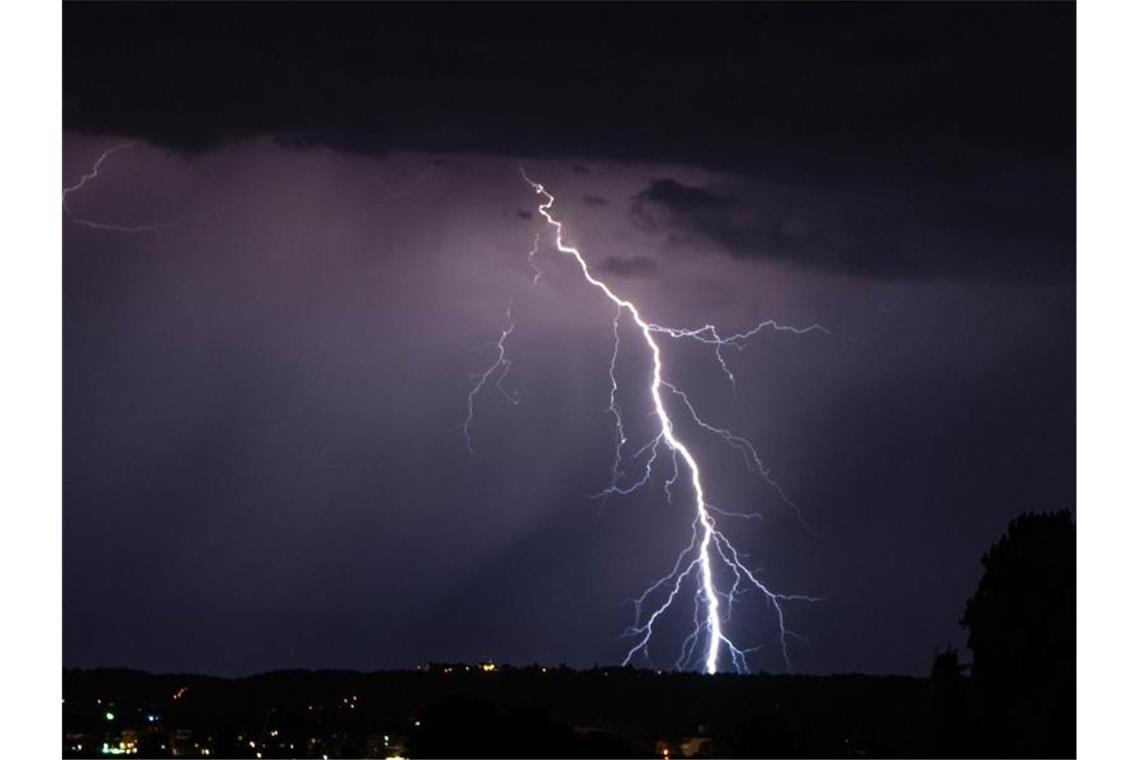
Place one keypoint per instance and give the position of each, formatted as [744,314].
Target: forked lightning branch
[709,570]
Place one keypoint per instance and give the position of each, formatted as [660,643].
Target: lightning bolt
[709,555]
[88,177]
[498,369]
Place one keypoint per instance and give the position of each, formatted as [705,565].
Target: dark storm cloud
[959,232]
[911,99]
[676,196]
[629,266]
[496,77]
[523,213]
[759,87]
[594,200]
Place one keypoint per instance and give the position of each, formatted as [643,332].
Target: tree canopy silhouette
[1022,631]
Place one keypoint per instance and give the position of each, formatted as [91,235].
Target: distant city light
[109,716]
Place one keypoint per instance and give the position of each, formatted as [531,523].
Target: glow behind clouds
[264,468]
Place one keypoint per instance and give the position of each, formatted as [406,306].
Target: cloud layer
[996,235]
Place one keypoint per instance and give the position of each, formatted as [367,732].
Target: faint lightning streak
[614,488]
[748,451]
[710,335]
[89,176]
[530,259]
[728,513]
[502,365]
[619,426]
[705,537]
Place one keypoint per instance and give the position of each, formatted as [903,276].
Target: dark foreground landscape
[476,711]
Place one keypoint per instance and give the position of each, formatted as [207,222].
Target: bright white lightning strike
[708,548]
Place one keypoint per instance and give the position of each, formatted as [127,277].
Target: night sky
[263,460]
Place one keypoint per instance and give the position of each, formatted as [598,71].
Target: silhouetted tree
[1022,632]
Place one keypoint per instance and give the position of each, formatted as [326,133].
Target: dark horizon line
[473,668]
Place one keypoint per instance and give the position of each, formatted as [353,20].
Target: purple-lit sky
[263,466]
